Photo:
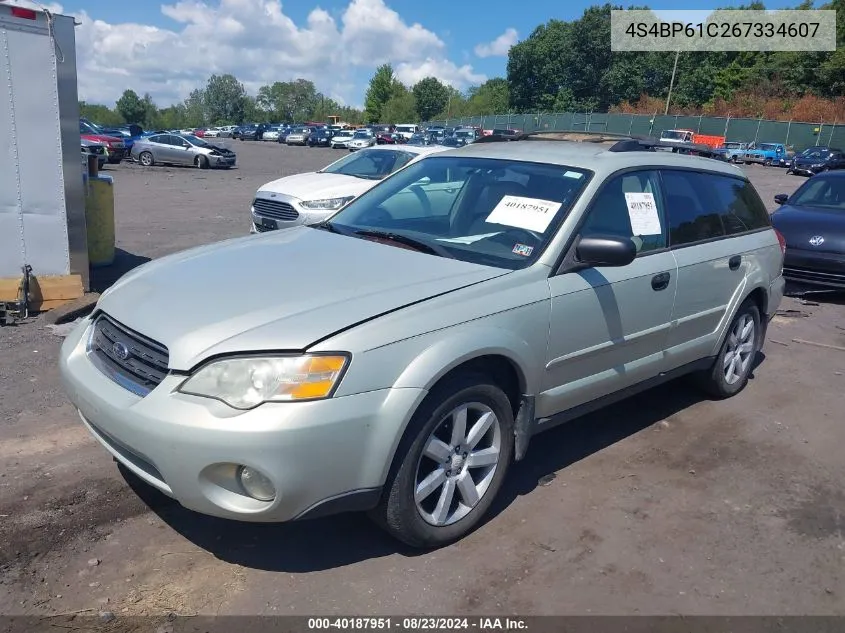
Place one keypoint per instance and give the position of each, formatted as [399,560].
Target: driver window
[609,215]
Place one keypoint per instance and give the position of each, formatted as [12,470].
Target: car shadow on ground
[103,277]
[336,541]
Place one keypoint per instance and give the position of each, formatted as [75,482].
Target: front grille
[275,209]
[133,361]
[260,228]
[814,276]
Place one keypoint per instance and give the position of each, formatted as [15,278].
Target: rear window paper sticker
[642,210]
[531,214]
[523,249]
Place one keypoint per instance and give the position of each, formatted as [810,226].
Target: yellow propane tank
[99,216]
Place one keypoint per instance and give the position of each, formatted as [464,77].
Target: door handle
[660,281]
[734,262]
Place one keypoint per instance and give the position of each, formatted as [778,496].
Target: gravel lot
[666,503]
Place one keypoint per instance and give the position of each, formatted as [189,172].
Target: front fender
[466,344]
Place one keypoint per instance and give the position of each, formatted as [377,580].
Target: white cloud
[500,46]
[255,41]
[446,71]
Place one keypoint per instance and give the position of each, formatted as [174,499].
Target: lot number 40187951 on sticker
[531,214]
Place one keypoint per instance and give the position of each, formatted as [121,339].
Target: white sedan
[312,197]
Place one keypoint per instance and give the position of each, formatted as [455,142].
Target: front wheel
[451,463]
[146,159]
[733,365]
[201,162]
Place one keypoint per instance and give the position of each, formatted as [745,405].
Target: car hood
[282,290]
[809,160]
[102,138]
[317,185]
[799,224]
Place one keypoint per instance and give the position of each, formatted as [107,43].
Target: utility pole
[672,81]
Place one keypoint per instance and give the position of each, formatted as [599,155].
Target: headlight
[244,383]
[326,204]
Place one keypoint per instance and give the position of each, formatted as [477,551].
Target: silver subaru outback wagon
[420,337]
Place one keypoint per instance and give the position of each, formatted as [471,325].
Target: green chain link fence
[798,135]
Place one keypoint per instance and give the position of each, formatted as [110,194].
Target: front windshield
[768,147]
[674,135]
[301,130]
[463,133]
[813,152]
[487,211]
[732,146]
[86,127]
[404,128]
[373,164]
[363,134]
[821,191]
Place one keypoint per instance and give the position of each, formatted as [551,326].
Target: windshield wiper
[419,245]
[325,225]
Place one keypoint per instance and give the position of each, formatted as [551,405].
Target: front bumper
[187,447]
[814,269]
[222,161]
[806,170]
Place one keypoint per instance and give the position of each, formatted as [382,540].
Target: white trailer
[42,196]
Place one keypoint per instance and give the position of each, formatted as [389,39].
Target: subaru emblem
[120,351]
[817,240]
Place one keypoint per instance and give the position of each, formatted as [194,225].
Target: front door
[609,325]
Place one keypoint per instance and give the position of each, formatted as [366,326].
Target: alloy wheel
[740,350]
[458,463]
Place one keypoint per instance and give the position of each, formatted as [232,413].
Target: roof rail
[653,144]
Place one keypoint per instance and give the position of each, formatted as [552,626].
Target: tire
[767,162]
[715,381]
[428,522]
[201,162]
[146,159]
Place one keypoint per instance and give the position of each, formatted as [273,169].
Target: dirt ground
[664,504]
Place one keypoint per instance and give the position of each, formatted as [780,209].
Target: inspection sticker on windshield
[572,174]
[522,249]
[531,214]
[642,211]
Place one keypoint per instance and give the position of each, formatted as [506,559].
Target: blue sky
[169,48]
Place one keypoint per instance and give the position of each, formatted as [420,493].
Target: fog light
[255,484]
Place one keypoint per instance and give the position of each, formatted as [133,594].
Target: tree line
[223,101]
[562,66]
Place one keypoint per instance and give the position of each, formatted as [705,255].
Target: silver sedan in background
[361,139]
[181,149]
[299,136]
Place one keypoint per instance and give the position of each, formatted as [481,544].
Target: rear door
[720,235]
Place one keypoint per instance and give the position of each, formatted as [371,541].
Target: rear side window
[692,209]
[739,204]
[704,206]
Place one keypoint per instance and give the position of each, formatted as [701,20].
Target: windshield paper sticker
[642,211]
[531,214]
[522,249]
[572,174]
[469,239]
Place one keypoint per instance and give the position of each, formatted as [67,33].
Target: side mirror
[781,198]
[606,250]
